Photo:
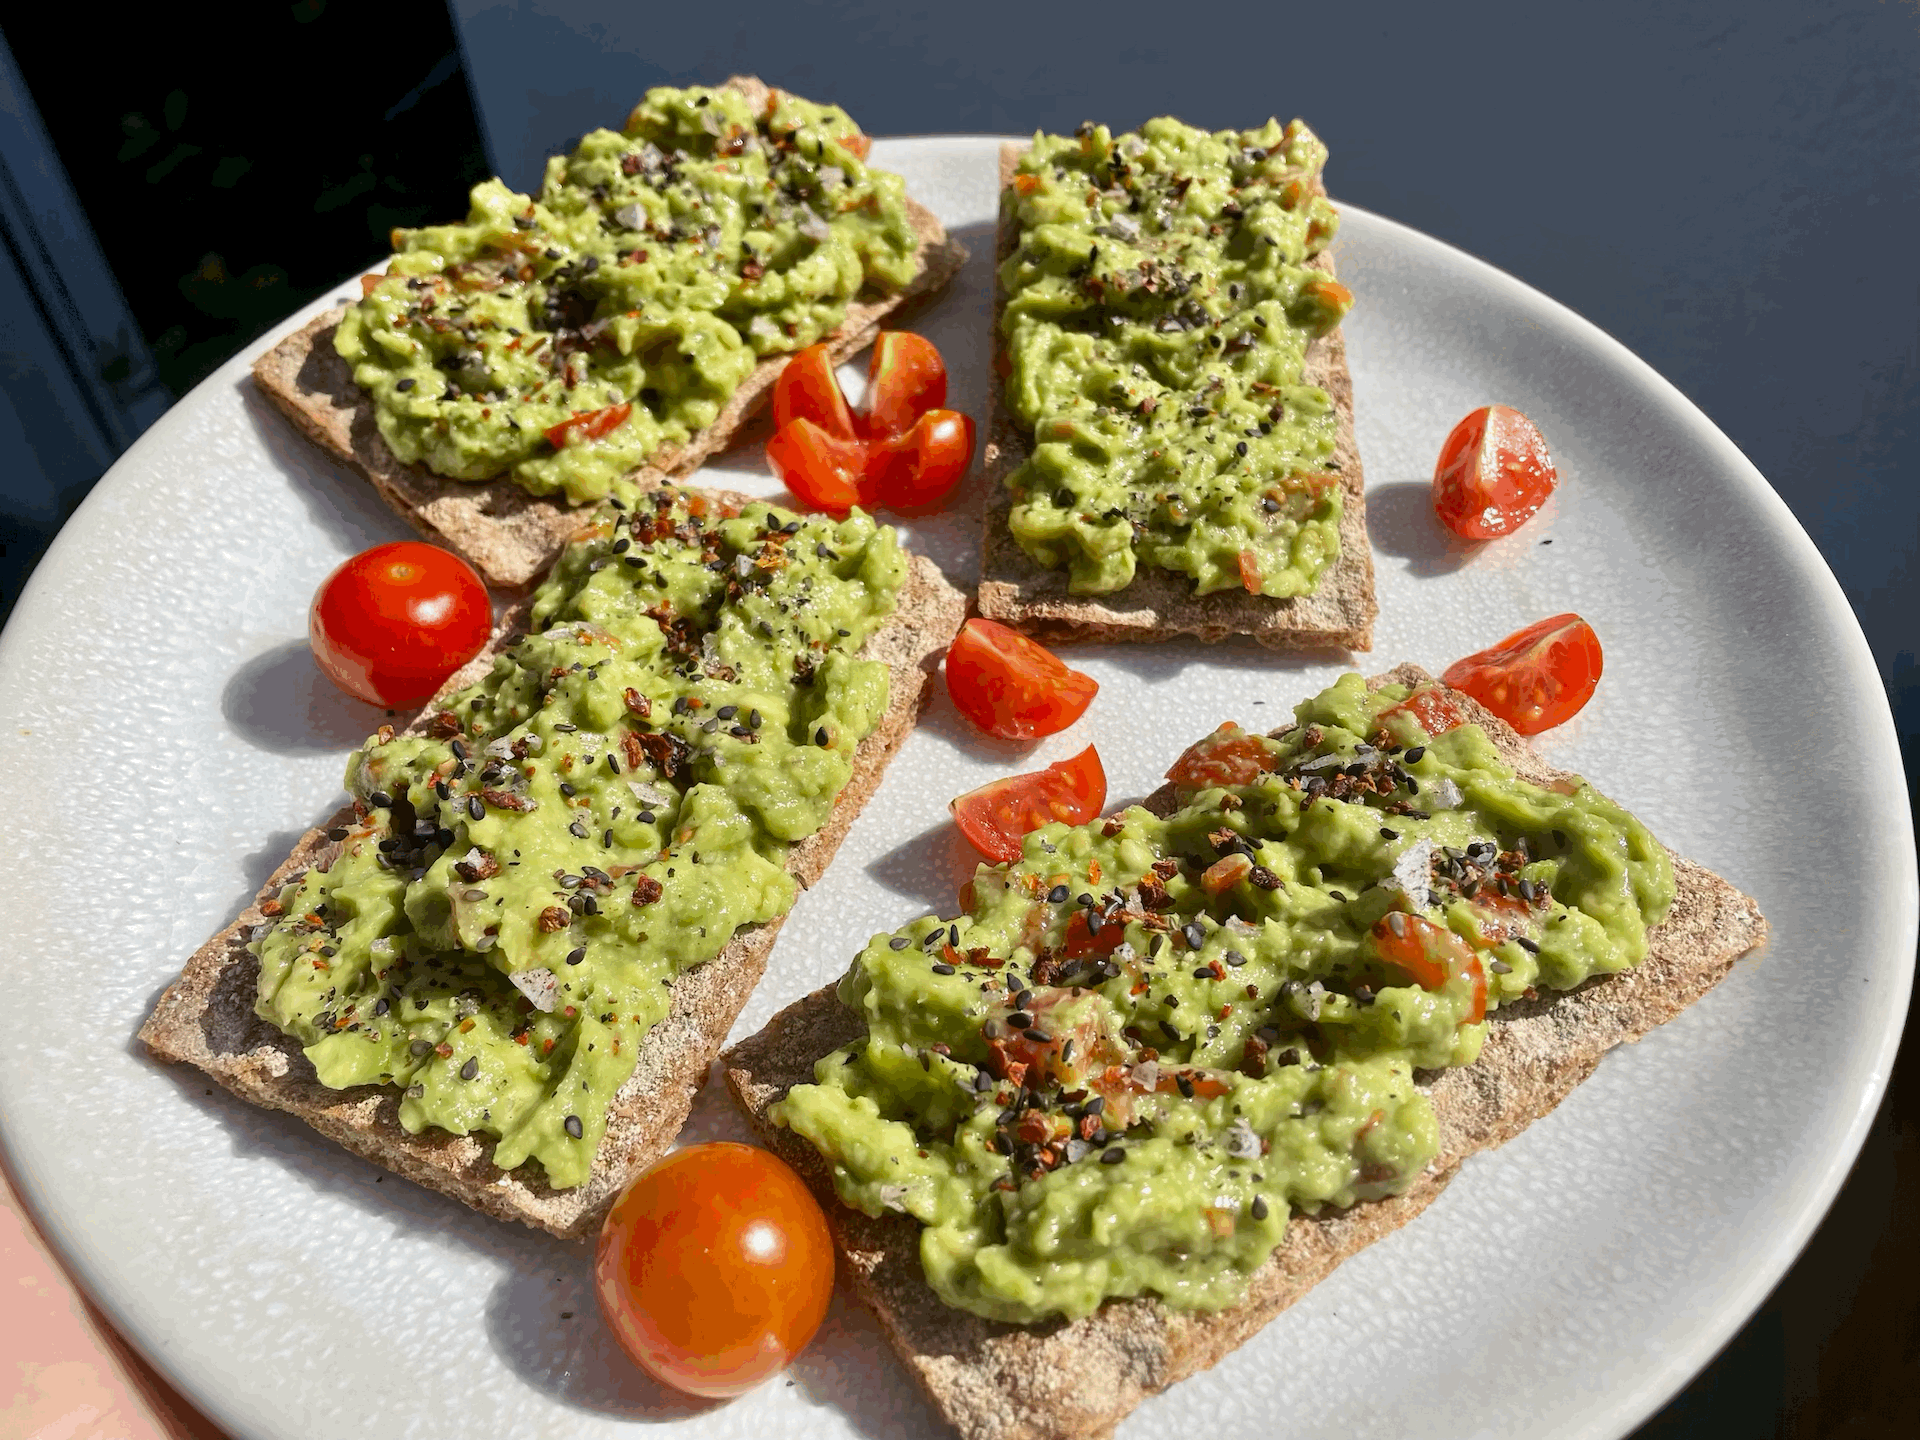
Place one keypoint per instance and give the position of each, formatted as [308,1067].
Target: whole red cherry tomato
[1012,687]
[1494,472]
[995,817]
[715,1268]
[1536,678]
[391,624]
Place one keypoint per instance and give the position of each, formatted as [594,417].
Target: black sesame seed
[1413,755]
[471,1068]
[1259,1207]
[1055,896]
[1234,958]
[419,1047]
[820,736]
[1113,1156]
[1499,967]
[476,807]
[1526,944]
[940,967]
[1039,1037]
[574,1127]
[899,942]
[574,957]
[339,832]
[1386,834]
[1020,1020]
[380,800]
[406,384]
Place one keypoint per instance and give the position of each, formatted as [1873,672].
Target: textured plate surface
[168,738]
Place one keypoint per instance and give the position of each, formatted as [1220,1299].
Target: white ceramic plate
[168,737]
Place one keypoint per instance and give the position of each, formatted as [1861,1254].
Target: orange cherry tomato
[823,472]
[1431,954]
[996,817]
[807,389]
[1536,678]
[392,623]
[1012,687]
[588,425]
[715,1268]
[918,469]
[1494,472]
[905,379]
[1229,756]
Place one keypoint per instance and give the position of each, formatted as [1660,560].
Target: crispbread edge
[1158,604]
[1071,1381]
[508,534]
[205,1018]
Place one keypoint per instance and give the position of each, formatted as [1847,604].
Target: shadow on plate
[928,869]
[342,504]
[1401,523]
[280,702]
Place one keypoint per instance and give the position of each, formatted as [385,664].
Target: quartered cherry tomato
[1494,472]
[1536,678]
[1011,686]
[391,624]
[996,817]
[1229,756]
[823,471]
[903,451]
[1432,955]
[715,1268]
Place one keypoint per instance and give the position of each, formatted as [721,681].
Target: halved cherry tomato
[587,425]
[903,451]
[905,379]
[1430,706]
[391,624]
[1494,472]
[714,1268]
[809,390]
[822,471]
[996,817]
[917,470]
[1431,954]
[1012,687]
[1229,756]
[1536,678]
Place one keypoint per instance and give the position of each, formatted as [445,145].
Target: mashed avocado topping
[1150,1039]
[563,338]
[1159,308]
[531,866]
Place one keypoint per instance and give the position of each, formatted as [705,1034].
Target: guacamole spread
[1159,305]
[563,338]
[531,866]
[1150,1039]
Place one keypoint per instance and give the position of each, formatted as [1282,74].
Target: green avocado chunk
[602,812]
[1159,309]
[628,300]
[1150,1040]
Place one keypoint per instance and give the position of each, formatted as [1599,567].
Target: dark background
[1730,189]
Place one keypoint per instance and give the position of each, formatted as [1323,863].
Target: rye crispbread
[1077,1380]
[206,1017]
[1161,604]
[507,534]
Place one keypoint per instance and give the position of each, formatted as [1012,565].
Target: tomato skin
[808,389]
[905,379]
[917,470]
[996,817]
[1494,472]
[824,473]
[1536,678]
[587,425]
[714,1268]
[1011,686]
[392,623]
